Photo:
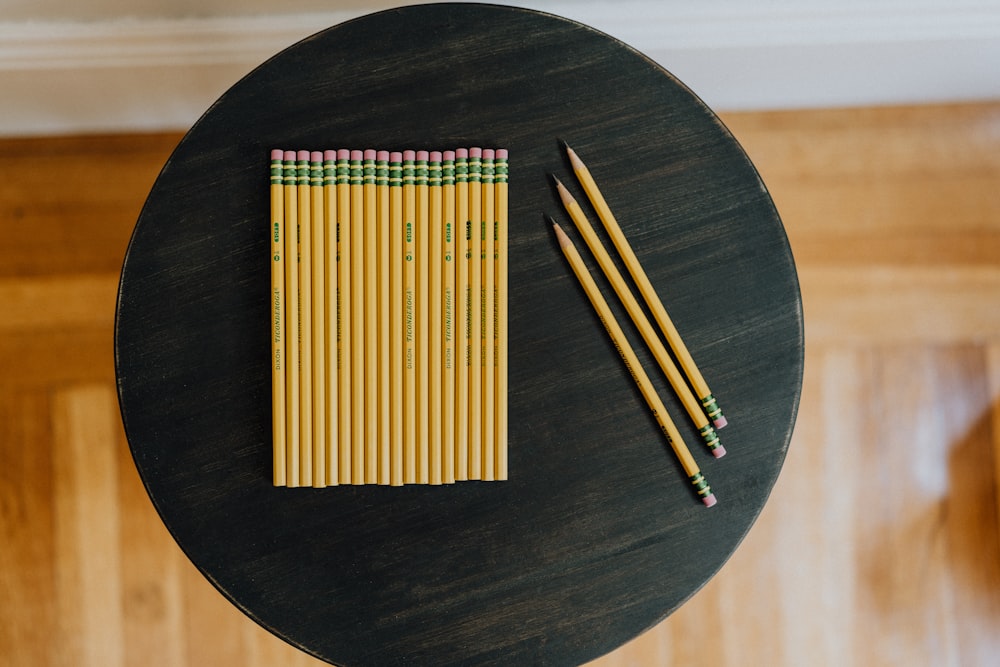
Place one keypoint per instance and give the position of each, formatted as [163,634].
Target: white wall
[127,65]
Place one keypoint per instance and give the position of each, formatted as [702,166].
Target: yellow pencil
[448,318]
[638,374]
[435,316]
[357,320]
[409,326]
[318,319]
[709,403]
[344,313]
[487,317]
[500,234]
[396,327]
[370,329]
[475,308]
[422,321]
[463,325]
[330,312]
[292,318]
[277,233]
[305,321]
[691,404]
[384,377]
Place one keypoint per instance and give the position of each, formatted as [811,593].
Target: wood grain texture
[831,574]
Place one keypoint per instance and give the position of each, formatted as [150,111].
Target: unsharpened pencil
[318,265]
[501,311]
[435,316]
[370,328]
[330,312]
[463,325]
[384,377]
[344,346]
[448,317]
[278,305]
[291,318]
[487,319]
[396,327]
[475,309]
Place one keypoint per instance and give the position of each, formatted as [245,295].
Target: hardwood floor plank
[88,533]
[839,144]
[84,224]
[993,383]
[28,616]
[46,357]
[889,304]
[58,302]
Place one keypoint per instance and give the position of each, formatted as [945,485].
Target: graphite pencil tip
[564,241]
[564,194]
[574,159]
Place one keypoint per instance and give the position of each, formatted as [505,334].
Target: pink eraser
[421,156]
[488,153]
[462,153]
[289,156]
[329,156]
[501,153]
[356,156]
[448,156]
[382,156]
[435,156]
[709,500]
[395,156]
[343,154]
[720,422]
[316,156]
[475,152]
[277,154]
[369,153]
[719,452]
[409,156]
[303,155]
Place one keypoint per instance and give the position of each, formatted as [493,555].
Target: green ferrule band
[700,485]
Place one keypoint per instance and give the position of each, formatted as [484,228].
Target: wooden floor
[879,546]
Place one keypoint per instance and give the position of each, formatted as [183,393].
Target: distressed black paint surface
[597,535]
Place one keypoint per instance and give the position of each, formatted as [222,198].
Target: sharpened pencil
[680,386]
[709,403]
[635,369]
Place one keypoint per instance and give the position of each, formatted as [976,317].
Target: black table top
[597,535]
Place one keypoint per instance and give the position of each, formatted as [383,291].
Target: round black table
[597,535]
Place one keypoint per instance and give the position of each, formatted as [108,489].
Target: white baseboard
[161,74]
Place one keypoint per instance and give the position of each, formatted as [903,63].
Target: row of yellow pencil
[389,316]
